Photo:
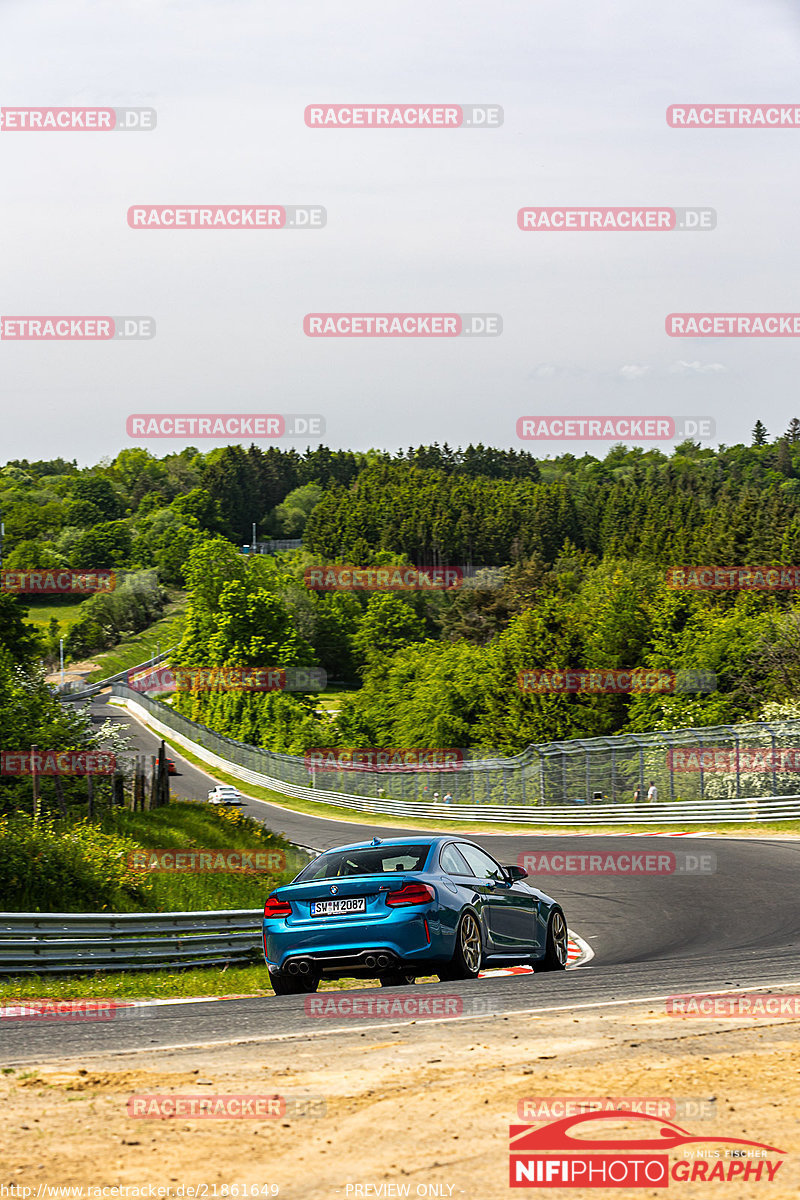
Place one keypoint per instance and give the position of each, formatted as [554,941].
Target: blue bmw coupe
[397,908]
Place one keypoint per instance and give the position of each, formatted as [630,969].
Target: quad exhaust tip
[304,966]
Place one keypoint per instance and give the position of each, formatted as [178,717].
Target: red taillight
[277,908]
[411,893]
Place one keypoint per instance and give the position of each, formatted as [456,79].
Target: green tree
[254,628]
[17,638]
[289,519]
[98,491]
[106,545]
[388,623]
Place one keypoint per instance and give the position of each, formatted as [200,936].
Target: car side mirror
[515,873]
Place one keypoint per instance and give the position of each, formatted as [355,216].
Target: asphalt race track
[653,936]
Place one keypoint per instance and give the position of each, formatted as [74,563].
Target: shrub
[47,868]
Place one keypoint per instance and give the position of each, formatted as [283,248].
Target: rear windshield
[372,860]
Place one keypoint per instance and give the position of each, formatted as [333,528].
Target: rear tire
[293,985]
[468,954]
[556,946]
[396,979]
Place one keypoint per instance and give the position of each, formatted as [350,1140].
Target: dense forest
[565,559]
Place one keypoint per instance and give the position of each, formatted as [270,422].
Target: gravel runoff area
[403,1108]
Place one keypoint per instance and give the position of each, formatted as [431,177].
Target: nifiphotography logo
[552,1156]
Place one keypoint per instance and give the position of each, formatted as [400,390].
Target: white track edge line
[517,1012]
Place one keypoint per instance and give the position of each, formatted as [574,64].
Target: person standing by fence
[652,792]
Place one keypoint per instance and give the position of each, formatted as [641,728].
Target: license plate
[330,908]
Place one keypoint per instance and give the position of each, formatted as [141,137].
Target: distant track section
[94,688]
[218,752]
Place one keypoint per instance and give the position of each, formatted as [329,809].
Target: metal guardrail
[219,751]
[273,546]
[720,764]
[51,943]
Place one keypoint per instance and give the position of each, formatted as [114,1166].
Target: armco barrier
[49,943]
[242,762]
[53,943]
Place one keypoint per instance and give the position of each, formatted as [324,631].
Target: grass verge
[66,613]
[156,985]
[72,865]
[331,700]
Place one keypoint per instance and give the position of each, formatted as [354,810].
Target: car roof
[424,840]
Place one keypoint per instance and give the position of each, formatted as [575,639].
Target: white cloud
[634,371]
[696,368]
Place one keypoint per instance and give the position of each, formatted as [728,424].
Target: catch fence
[722,772]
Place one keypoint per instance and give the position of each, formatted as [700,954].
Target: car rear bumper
[396,943]
[349,962]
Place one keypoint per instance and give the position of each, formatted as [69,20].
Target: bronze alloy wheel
[470,943]
[560,937]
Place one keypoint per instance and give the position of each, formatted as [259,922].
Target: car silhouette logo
[556,1135]
[334,889]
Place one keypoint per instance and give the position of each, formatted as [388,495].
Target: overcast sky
[417,220]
